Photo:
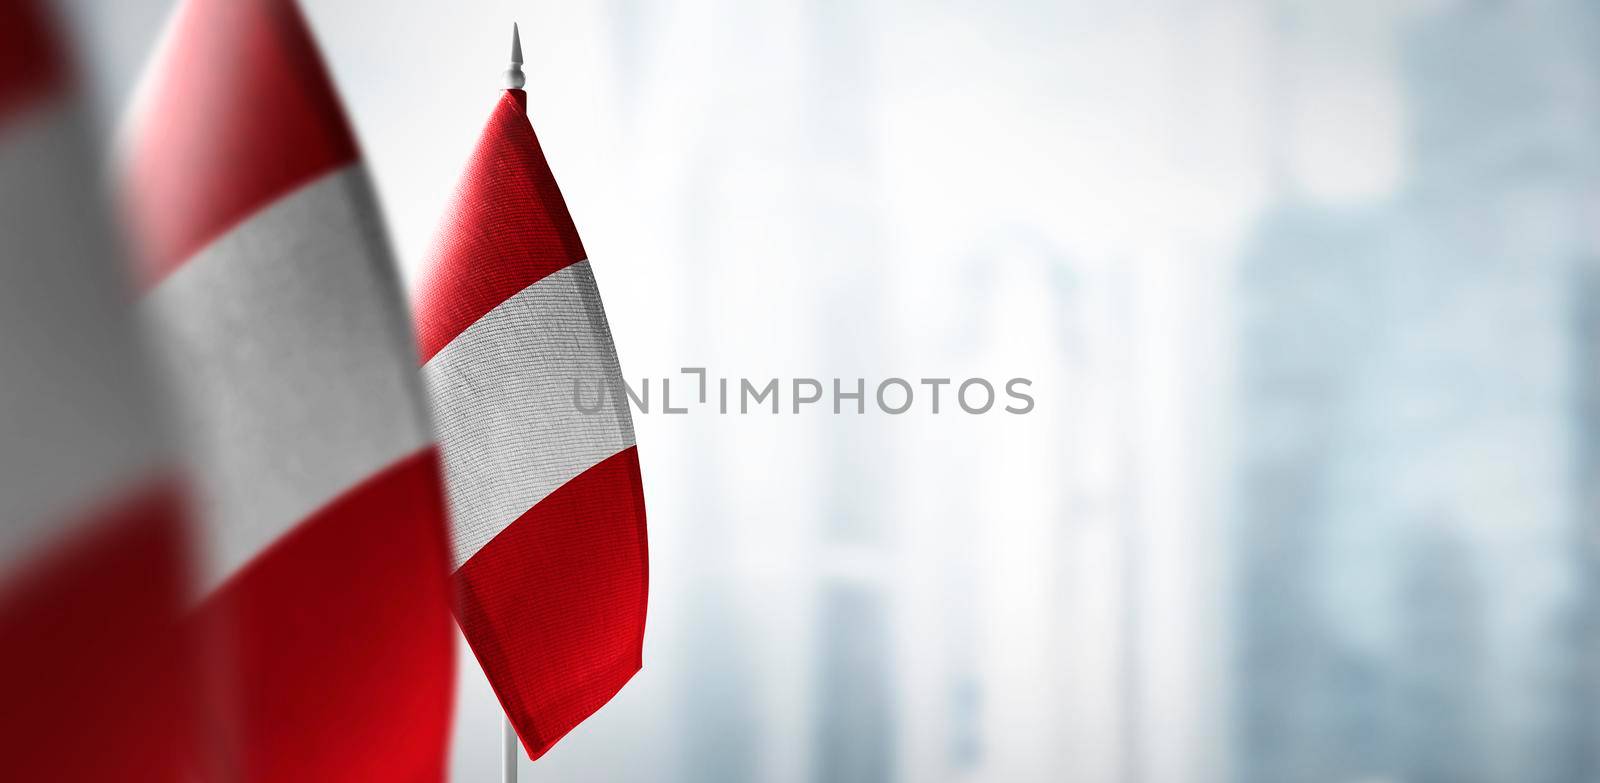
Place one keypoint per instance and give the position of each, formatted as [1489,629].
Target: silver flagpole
[508,735]
[508,751]
[514,77]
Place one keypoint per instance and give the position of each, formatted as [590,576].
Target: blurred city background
[1309,292]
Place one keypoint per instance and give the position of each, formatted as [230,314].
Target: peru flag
[547,534]
[93,573]
[278,310]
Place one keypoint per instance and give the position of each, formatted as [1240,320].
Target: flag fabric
[547,534]
[93,573]
[277,308]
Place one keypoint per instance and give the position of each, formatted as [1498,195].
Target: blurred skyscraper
[854,728]
[1033,672]
[1304,690]
[1579,634]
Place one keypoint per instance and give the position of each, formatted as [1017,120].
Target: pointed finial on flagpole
[514,77]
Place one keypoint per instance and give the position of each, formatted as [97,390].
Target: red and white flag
[277,307]
[93,556]
[547,533]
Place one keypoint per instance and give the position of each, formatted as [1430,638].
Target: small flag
[277,307]
[93,557]
[547,533]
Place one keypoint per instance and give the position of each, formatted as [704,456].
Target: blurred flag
[547,534]
[276,304]
[92,549]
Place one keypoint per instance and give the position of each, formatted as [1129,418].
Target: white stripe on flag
[289,352]
[510,428]
[77,419]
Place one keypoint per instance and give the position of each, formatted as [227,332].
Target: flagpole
[514,77]
[514,80]
[508,751]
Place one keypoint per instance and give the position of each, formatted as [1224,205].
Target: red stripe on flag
[340,638]
[95,680]
[244,112]
[507,228]
[32,65]
[554,606]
